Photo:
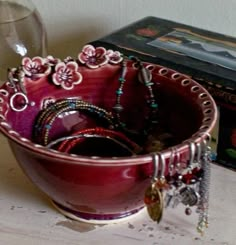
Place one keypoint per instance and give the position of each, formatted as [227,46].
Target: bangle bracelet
[65,145]
[53,108]
[84,136]
[48,116]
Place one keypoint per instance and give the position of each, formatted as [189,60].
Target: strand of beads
[145,78]
[204,188]
[118,108]
[47,116]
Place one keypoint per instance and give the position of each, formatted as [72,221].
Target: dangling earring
[154,194]
[188,195]
[204,186]
[15,78]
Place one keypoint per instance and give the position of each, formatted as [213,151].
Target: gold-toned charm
[162,184]
[154,202]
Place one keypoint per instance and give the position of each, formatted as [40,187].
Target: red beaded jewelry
[68,144]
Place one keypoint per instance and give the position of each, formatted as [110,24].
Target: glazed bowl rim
[102,161]
[202,133]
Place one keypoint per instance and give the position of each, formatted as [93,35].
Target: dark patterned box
[208,57]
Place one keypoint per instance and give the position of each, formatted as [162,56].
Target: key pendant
[154,202]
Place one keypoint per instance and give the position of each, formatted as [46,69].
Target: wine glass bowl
[21,34]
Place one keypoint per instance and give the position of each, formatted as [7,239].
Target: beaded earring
[204,187]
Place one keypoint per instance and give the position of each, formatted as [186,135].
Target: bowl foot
[97,218]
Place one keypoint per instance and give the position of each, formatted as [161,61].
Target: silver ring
[192,151]
[172,160]
[156,167]
[12,100]
[206,136]
[206,140]
[163,166]
[177,164]
[199,152]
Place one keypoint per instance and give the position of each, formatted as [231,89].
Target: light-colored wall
[72,23]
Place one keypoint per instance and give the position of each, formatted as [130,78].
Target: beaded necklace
[145,77]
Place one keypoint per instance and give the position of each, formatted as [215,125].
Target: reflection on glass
[21,34]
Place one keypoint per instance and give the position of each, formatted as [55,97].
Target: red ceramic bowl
[92,187]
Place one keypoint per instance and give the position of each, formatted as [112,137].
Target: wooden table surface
[27,216]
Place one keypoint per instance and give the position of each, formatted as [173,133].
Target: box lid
[202,54]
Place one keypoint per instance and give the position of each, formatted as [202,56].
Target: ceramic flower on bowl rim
[67,75]
[52,61]
[93,57]
[115,57]
[68,59]
[36,67]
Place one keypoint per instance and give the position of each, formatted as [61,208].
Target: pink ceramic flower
[52,61]
[36,67]
[93,57]
[68,59]
[67,75]
[115,57]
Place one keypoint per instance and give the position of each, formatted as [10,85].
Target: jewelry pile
[188,186]
[112,128]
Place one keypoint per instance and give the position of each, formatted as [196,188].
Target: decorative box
[207,57]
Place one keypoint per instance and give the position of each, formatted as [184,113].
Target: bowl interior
[179,111]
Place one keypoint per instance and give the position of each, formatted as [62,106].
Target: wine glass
[22,33]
